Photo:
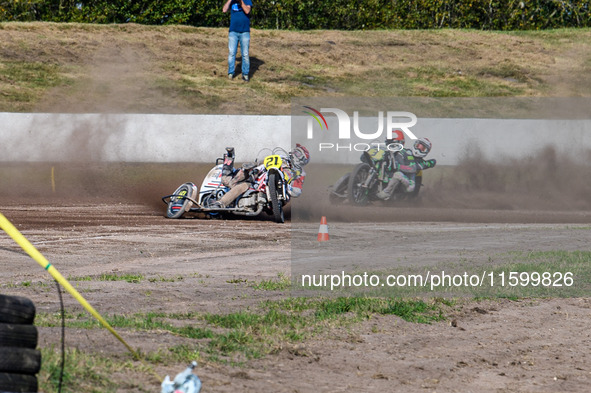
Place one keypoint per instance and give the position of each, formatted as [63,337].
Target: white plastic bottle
[184,382]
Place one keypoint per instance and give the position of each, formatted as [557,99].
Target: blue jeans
[233,39]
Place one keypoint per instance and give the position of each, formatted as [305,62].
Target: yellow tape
[37,256]
[53,179]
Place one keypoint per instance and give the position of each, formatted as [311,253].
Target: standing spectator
[239,32]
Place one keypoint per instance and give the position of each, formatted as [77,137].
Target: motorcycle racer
[237,180]
[397,137]
[407,164]
[299,157]
[387,155]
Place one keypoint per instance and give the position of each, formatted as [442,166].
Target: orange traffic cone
[323,230]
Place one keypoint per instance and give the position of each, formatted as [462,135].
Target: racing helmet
[300,155]
[397,137]
[421,147]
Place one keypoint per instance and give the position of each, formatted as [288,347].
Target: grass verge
[233,338]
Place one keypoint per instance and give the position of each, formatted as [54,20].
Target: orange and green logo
[315,114]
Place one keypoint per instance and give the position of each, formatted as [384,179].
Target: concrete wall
[202,138]
[137,137]
[499,139]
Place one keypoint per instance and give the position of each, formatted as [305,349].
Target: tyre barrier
[16,309]
[20,361]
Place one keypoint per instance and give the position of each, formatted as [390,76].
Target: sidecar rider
[237,180]
[299,157]
[408,162]
[397,138]
[387,155]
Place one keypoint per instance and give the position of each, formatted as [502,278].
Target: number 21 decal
[273,162]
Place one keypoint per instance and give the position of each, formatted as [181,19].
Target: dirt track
[538,345]
[500,346]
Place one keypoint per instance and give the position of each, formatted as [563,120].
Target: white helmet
[421,147]
[300,155]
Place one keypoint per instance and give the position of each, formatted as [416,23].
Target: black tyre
[20,360]
[338,194]
[14,335]
[357,194]
[18,383]
[178,205]
[278,215]
[16,309]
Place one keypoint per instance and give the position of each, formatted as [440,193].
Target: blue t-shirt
[239,21]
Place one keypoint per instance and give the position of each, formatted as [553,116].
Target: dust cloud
[544,180]
[73,159]
[545,186]
[95,182]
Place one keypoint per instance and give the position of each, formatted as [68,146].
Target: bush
[315,14]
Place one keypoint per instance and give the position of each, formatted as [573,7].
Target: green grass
[31,75]
[552,36]
[429,81]
[281,283]
[25,284]
[557,264]
[166,279]
[249,334]
[130,278]
[23,83]
[234,338]
[82,372]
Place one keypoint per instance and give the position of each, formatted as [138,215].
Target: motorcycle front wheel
[278,215]
[357,193]
[178,204]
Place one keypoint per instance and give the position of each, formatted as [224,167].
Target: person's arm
[245,8]
[426,164]
[227,6]
[296,185]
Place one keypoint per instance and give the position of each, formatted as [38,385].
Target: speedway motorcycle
[269,191]
[370,177]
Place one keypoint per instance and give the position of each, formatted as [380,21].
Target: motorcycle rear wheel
[357,194]
[339,188]
[418,184]
[278,215]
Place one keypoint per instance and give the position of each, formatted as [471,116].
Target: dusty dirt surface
[528,345]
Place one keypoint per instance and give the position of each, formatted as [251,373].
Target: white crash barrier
[202,138]
[137,137]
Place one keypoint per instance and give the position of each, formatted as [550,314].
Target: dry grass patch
[181,69]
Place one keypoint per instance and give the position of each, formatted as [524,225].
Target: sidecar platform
[197,208]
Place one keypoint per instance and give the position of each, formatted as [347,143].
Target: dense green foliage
[315,14]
